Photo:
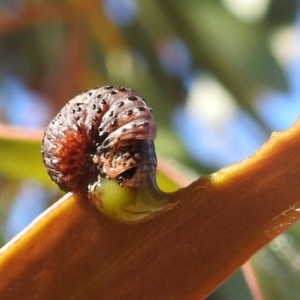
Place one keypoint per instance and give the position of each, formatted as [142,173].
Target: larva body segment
[106,132]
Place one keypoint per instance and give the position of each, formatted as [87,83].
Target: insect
[105,132]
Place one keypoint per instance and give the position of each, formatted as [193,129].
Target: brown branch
[73,252]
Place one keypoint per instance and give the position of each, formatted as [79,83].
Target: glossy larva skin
[106,132]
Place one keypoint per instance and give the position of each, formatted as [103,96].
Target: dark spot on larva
[120,104]
[142,108]
[48,137]
[72,111]
[78,129]
[104,135]
[99,111]
[129,112]
[108,87]
[146,124]
[77,118]
[93,106]
[124,130]
[78,109]
[113,92]
[95,119]
[90,94]
[98,138]
[98,97]
[111,113]
[113,123]
[100,129]
[78,103]
[122,89]
[103,102]
[105,144]
[137,155]
[132,98]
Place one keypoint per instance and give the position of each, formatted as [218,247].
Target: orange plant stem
[73,252]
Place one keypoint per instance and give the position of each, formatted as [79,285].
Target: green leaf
[277,266]
[21,158]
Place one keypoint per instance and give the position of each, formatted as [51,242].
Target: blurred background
[221,75]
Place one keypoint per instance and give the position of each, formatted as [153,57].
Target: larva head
[129,164]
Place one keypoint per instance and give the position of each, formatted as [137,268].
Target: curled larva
[104,133]
[101,143]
